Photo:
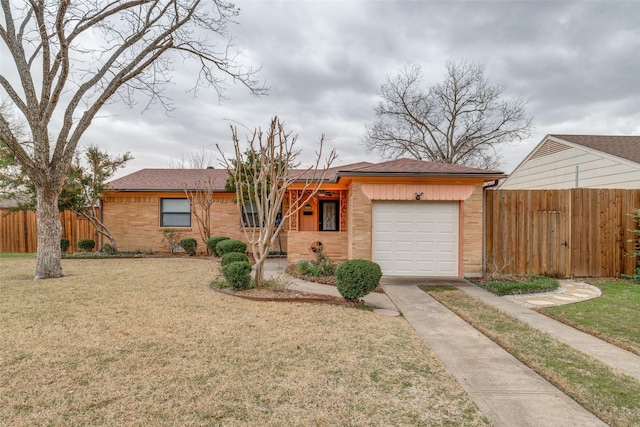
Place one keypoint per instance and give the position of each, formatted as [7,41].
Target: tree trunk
[259,269]
[49,255]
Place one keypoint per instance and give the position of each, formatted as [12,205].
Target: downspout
[484,223]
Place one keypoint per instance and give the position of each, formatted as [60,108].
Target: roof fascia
[479,175]
[166,190]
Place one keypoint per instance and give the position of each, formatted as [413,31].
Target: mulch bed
[287,295]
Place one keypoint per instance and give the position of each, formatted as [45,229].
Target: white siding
[558,171]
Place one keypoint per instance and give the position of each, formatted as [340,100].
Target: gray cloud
[576,61]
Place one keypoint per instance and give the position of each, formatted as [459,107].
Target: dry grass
[147,342]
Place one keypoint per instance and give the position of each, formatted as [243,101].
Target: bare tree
[201,159]
[201,199]
[459,121]
[71,57]
[262,180]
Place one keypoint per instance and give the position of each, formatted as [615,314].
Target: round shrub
[357,277]
[64,244]
[233,257]
[228,246]
[108,249]
[86,245]
[212,242]
[238,275]
[189,245]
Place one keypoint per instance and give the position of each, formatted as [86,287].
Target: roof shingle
[170,180]
[626,147]
[193,179]
[415,166]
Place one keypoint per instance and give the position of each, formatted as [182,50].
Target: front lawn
[614,317]
[148,342]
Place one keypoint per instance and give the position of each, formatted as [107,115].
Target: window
[328,215]
[175,213]
[250,215]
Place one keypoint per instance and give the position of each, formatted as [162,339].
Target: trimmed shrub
[356,278]
[212,242]
[189,245]
[238,275]
[233,257]
[108,249]
[86,245]
[228,246]
[64,244]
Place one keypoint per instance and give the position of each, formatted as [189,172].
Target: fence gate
[550,243]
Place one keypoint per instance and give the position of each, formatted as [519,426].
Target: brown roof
[626,147]
[170,180]
[191,179]
[414,166]
[332,173]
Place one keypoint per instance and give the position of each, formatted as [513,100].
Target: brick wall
[472,237]
[299,244]
[359,220]
[135,222]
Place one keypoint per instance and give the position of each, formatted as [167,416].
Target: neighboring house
[414,218]
[579,161]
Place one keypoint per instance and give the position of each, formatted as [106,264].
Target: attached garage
[416,238]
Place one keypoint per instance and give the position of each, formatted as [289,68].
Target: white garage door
[416,238]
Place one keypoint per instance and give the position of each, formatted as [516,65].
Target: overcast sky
[578,63]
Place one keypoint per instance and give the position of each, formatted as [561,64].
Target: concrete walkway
[624,360]
[568,292]
[506,391]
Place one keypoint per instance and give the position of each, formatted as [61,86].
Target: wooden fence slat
[532,226]
[18,230]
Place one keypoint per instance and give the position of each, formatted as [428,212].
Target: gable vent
[549,148]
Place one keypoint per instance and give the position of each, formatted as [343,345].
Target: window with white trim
[175,213]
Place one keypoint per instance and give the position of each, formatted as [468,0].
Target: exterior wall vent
[549,148]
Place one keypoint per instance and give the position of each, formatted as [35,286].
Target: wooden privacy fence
[18,230]
[562,233]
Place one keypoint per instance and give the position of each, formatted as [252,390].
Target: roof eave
[155,190]
[426,175]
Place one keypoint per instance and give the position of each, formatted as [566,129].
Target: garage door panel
[425,247]
[446,228]
[416,238]
[404,227]
[448,247]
